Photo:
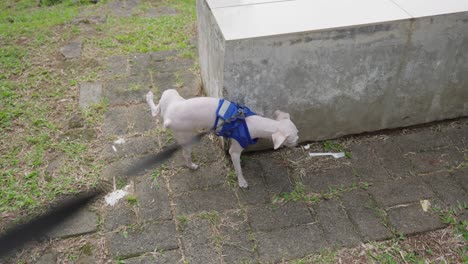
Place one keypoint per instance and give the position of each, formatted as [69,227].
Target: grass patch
[126,35]
[38,164]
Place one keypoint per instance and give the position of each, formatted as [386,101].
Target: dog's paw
[193,166]
[243,184]
[149,96]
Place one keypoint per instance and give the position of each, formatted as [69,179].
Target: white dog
[186,118]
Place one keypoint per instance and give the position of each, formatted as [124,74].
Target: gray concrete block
[164,257]
[341,79]
[366,164]
[82,222]
[284,243]
[276,216]
[435,160]
[115,121]
[421,141]
[237,245]
[401,192]
[447,189]
[218,199]
[363,212]
[323,181]
[72,50]
[153,199]
[198,239]
[276,176]
[461,176]
[90,93]
[338,229]
[202,178]
[392,159]
[412,219]
[140,239]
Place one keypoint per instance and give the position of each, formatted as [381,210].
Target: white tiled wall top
[231,3]
[422,8]
[242,19]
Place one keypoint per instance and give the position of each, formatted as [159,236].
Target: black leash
[38,228]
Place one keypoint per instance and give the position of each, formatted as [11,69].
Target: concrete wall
[211,50]
[351,80]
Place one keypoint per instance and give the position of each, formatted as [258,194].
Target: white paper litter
[119,141]
[335,155]
[307,146]
[425,204]
[113,197]
[114,148]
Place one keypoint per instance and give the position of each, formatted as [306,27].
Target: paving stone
[83,259]
[153,199]
[147,238]
[461,176]
[198,242]
[207,151]
[79,134]
[322,181]
[403,191]
[362,212]
[271,216]
[237,244]
[140,64]
[206,176]
[173,65]
[127,97]
[188,84]
[458,136]
[338,229]
[463,215]
[89,20]
[290,243]
[123,8]
[117,65]
[83,222]
[412,219]
[257,193]
[75,121]
[119,215]
[218,199]
[392,159]
[115,121]
[421,141]
[49,257]
[72,50]
[446,187]
[133,146]
[165,257]
[366,165]
[276,175]
[435,160]
[160,11]
[90,93]
[140,119]
[121,169]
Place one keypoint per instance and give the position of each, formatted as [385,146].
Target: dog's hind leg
[235,151]
[154,108]
[185,139]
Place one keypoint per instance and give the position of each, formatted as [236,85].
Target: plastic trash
[335,155]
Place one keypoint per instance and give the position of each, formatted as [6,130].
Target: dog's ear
[278,139]
[279,115]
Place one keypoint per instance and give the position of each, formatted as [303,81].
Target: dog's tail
[154,108]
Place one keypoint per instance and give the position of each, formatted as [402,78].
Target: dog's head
[286,133]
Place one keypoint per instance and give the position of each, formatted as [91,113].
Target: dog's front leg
[235,151]
[184,139]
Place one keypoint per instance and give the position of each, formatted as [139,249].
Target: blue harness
[233,122]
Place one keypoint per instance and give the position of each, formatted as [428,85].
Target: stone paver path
[295,206]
